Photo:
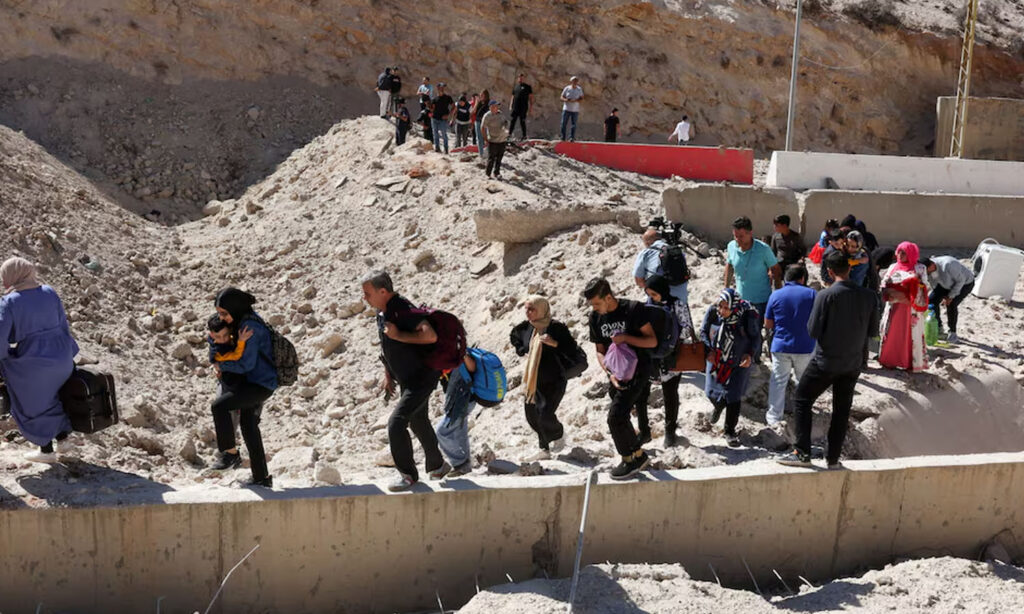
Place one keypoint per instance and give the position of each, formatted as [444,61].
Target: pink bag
[621,361]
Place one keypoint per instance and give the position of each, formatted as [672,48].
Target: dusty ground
[300,240]
[934,586]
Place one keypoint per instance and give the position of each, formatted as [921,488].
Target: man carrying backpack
[624,337]
[652,260]
[406,340]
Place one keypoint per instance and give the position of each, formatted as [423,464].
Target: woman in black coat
[550,349]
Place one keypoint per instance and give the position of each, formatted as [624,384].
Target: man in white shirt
[683,131]
[572,94]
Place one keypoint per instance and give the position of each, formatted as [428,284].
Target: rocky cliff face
[874,67]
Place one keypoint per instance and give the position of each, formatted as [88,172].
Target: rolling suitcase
[89,400]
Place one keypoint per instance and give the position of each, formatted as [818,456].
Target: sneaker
[716,413]
[539,456]
[732,440]
[836,466]
[402,483]
[463,469]
[671,439]
[629,468]
[38,456]
[952,338]
[227,461]
[557,445]
[644,436]
[441,471]
[794,458]
[267,482]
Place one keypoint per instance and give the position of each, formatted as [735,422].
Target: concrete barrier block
[930,220]
[688,162]
[711,209]
[528,225]
[808,170]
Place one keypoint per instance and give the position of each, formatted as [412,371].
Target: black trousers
[522,123]
[623,402]
[400,133]
[813,384]
[411,412]
[495,152]
[670,390]
[248,399]
[540,414]
[953,311]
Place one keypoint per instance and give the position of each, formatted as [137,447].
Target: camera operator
[663,255]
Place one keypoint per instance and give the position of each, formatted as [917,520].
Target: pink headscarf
[912,252]
[18,274]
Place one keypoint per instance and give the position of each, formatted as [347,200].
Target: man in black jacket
[406,338]
[844,317]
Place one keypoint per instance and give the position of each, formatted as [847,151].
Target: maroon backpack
[450,348]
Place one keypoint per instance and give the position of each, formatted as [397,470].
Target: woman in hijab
[732,334]
[32,319]
[659,293]
[547,345]
[257,365]
[905,292]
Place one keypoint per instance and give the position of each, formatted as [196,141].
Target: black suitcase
[89,400]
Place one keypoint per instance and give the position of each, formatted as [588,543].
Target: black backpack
[573,363]
[89,399]
[286,359]
[673,264]
[666,330]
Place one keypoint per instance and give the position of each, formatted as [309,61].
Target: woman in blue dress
[36,356]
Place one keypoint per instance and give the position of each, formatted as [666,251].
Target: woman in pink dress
[905,292]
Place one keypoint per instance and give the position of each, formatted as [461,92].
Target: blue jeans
[783,364]
[453,429]
[440,129]
[568,116]
[480,144]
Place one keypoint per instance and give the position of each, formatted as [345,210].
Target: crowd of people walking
[820,339]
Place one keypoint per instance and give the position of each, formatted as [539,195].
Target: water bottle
[931,327]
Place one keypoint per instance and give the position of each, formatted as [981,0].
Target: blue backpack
[489,383]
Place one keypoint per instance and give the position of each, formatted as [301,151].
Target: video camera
[670,232]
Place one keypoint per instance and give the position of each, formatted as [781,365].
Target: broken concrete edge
[529,225]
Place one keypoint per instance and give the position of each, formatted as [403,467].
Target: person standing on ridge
[611,127]
[683,131]
[383,90]
[520,105]
[496,135]
[440,113]
[572,95]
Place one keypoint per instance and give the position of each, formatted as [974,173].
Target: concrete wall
[527,225]
[930,220]
[369,552]
[995,128]
[710,209]
[805,170]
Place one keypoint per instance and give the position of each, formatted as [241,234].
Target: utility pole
[792,77]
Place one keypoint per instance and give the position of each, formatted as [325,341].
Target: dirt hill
[172,104]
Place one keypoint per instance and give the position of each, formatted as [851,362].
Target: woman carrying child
[254,360]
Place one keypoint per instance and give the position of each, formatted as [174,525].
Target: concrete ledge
[379,553]
[528,225]
[688,162]
[807,170]
[710,209]
[930,220]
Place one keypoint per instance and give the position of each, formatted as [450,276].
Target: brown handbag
[690,356]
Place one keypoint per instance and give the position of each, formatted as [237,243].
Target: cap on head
[574,79]
[494,103]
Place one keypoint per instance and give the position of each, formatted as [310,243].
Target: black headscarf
[660,285]
[237,303]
